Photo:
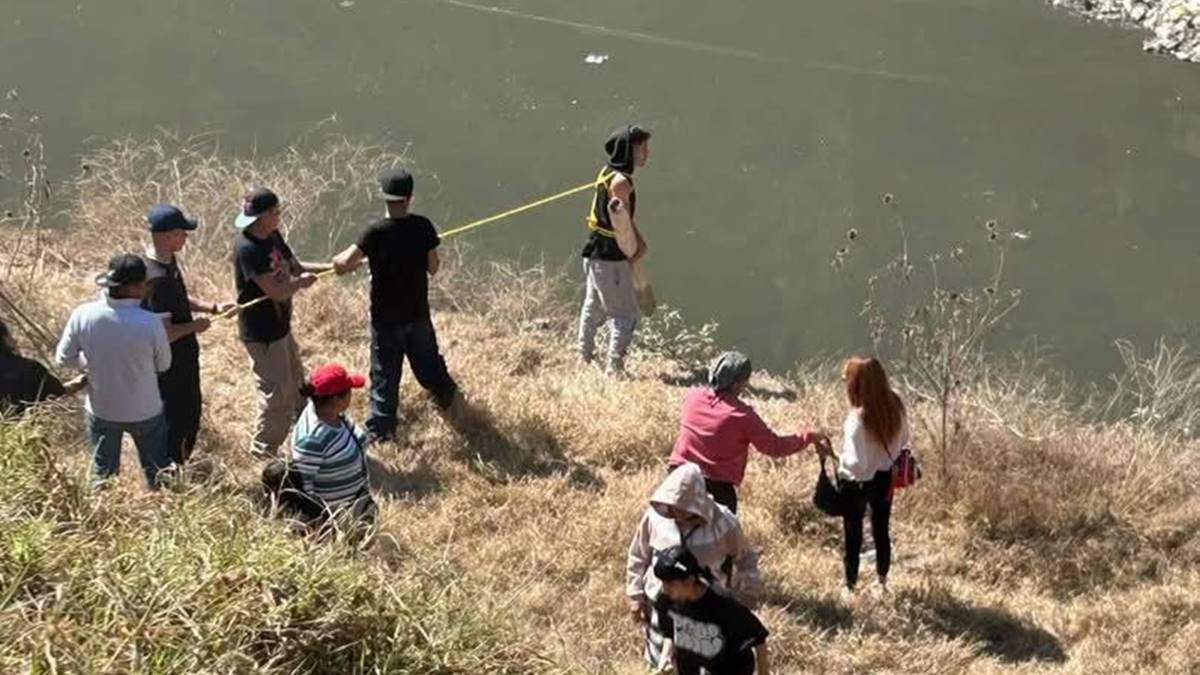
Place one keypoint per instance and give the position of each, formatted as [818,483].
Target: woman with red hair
[874,433]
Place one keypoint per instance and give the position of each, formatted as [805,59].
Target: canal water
[778,127]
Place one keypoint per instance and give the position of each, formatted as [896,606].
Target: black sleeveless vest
[602,242]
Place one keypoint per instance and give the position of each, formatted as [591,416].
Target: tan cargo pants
[279,375]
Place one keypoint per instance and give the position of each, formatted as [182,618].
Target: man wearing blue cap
[166,293]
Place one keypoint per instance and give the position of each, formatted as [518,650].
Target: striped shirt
[330,459]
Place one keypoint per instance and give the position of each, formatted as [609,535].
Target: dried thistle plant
[931,317]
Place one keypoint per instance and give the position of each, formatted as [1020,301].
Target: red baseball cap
[332,379]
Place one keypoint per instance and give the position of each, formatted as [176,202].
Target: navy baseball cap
[164,218]
[395,185]
[125,268]
[256,202]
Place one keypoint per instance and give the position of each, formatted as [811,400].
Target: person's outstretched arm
[772,444]
[349,259]
[209,307]
[157,300]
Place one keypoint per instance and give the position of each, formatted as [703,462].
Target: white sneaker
[847,594]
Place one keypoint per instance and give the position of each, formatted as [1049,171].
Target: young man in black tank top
[609,294]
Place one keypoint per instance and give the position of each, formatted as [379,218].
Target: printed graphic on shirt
[279,266]
[704,639]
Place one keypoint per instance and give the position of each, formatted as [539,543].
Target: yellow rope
[449,233]
[519,209]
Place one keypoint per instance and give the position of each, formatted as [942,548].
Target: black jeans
[722,493]
[182,402]
[857,497]
[389,346]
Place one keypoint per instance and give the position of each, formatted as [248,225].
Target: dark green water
[777,125]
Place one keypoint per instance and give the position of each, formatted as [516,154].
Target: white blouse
[862,454]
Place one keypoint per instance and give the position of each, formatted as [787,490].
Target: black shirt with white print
[270,320]
[715,632]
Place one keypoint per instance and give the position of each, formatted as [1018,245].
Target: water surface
[778,125]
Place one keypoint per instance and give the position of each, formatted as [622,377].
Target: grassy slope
[1060,545]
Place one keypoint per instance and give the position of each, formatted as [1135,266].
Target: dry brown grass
[1065,544]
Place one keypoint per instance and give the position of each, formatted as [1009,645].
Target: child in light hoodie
[682,513]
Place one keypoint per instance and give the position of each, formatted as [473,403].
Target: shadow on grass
[993,631]
[422,481]
[817,611]
[530,450]
[825,614]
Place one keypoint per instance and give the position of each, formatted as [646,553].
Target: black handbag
[827,496]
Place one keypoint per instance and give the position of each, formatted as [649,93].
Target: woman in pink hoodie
[717,428]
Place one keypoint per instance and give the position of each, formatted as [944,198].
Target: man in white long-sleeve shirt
[123,348]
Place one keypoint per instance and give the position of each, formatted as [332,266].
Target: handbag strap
[836,481]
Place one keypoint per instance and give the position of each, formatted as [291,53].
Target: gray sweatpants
[609,297]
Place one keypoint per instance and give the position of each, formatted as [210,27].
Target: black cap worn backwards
[256,202]
[395,185]
[125,268]
[678,563]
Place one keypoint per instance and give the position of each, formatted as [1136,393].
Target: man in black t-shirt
[706,632]
[401,251]
[264,265]
[166,293]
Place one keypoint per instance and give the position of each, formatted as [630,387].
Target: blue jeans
[149,436]
[389,345]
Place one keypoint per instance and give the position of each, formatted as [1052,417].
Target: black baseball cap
[256,202]
[395,185]
[678,563]
[125,268]
[164,218]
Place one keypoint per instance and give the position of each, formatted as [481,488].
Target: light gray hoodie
[719,536]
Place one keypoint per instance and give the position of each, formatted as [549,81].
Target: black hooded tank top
[602,242]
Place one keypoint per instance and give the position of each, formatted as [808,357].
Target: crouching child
[706,632]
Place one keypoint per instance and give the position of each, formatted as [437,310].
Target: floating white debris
[595,58]
[346,4]
[1021,235]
